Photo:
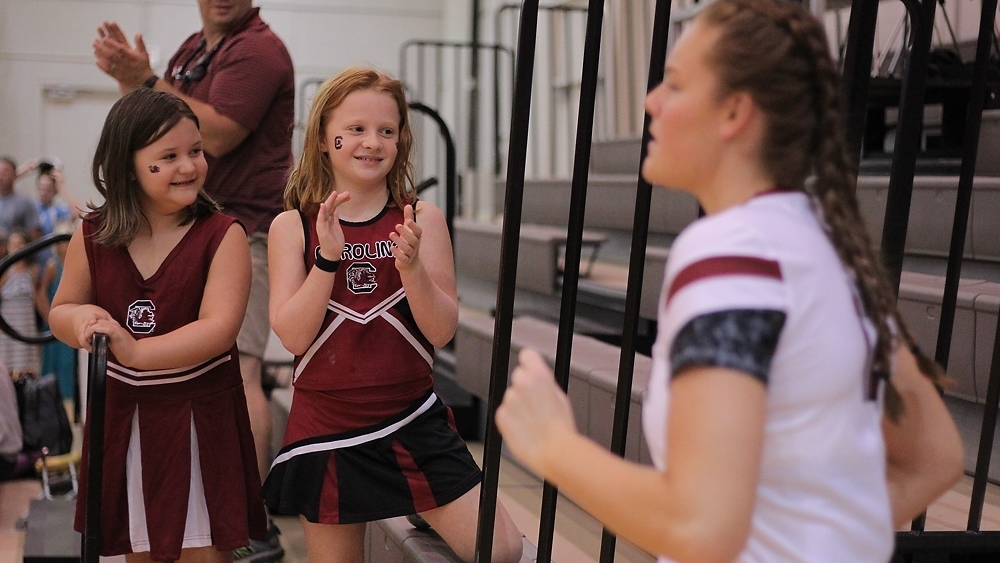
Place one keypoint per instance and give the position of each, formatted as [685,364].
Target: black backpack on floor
[44,422]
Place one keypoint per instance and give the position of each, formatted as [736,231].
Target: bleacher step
[395,540]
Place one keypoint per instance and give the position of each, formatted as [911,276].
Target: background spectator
[17,306]
[17,212]
[57,358]
[50,183]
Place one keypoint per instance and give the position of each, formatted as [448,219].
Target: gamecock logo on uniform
[361,278]
[140,317]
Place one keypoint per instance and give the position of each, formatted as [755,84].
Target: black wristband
[324,264]
[150,82]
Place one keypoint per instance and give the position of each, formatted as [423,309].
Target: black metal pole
[513,200]
[637,261]
[858,70]
[967,173]
[973,122]
[909,130]
[986,436]
[574,244]
[95,448]
[970,147]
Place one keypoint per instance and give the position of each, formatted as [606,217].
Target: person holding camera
[50,183]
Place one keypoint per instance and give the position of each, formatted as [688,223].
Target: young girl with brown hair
[166,276]
[778,335]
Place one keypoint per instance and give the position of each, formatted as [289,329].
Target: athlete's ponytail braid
[778,53]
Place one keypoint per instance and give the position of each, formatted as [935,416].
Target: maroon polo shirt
[250,80]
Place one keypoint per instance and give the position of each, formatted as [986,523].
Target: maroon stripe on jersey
[329,502]
[420,489]
[724,266]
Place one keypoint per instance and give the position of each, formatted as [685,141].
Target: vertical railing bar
[908,132]
[637,262]
[967,172]
[97,373]
[857,73]
[986,436]
[513,200]
[970,147]
[574,242]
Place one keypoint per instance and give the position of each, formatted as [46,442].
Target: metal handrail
[497,52]
[451,164]
[97,374]
[8,261]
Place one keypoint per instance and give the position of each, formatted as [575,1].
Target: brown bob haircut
[135,121]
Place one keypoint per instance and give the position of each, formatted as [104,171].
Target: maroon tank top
[166,301]
[369,346]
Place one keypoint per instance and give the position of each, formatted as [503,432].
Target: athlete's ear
[739,113]
[322,145]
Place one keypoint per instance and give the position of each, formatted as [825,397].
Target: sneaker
[418,522]
[266,550]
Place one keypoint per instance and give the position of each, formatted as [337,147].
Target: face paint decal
[154,168]
[338,142]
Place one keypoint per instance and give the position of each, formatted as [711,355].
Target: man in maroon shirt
[237,76]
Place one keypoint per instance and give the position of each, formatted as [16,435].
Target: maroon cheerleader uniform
[167,401]
[367,438]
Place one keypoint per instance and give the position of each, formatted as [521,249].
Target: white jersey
[822,493]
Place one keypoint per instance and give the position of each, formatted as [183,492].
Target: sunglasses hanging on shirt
[197,72]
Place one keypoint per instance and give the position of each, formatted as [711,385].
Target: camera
[46,165]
